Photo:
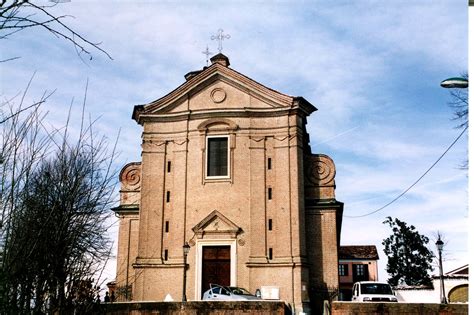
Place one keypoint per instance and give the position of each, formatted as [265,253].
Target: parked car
[371,291]
[224,293]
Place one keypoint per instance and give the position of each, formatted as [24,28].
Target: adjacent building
[226,168]
[456,285]
[356,263]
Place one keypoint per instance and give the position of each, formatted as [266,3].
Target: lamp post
[457,82]
[186,249]
[439,245]
[451,83]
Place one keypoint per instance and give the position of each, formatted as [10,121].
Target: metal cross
[220,37]
[207,53]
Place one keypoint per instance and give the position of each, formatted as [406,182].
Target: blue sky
[372,68]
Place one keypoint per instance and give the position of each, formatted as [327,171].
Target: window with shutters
[217,155]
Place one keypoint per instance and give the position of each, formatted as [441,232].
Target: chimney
[221,59]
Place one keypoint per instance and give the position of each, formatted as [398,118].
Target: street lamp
[186,249]
[439,245]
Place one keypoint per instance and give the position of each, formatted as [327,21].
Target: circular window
[218,95]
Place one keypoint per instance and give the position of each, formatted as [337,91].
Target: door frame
[233,262]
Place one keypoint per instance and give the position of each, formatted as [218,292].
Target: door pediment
[216,225]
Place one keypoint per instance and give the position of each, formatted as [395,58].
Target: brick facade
[274,208]
[350,308]
[196,308]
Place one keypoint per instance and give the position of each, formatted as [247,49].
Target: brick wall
[198,308]
[351,308]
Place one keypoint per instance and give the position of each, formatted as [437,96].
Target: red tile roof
[464,271]
[358,252]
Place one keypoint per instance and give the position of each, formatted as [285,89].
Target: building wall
[349,308]
[372,267]
[127,251]
[321,219]
[127,248]
[175,193]
[209,308]
[242,199]
[322,265]
[433,295]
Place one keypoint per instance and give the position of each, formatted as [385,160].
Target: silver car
[223,293]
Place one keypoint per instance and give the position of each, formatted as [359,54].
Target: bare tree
[19,15]
[460,104]
[55,192]
[22,147]
[56,195]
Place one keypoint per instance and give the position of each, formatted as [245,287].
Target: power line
[416,182]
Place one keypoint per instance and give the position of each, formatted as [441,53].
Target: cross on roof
[220,37]
[207,53]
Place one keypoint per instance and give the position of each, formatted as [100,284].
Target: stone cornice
[214,113]
[322,204]
[154,263]
[126,209]
[302,103]
[271,264]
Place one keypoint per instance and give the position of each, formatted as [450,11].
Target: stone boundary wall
[196,308]
[351,308]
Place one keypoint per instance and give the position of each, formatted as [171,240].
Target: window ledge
[217,179]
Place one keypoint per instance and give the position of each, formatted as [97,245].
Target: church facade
[227,169]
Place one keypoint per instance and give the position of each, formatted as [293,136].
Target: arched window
[459,294]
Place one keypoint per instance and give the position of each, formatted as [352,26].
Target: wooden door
[215,266]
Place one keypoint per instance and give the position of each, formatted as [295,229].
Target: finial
[207,53]
[220,37]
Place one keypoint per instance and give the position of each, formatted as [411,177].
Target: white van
[371,291]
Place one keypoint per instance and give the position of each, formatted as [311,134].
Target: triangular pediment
[216,88]
[216,223]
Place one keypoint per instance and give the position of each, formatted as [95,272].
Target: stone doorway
[216,266]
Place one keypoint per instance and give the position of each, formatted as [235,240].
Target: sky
[372,68]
